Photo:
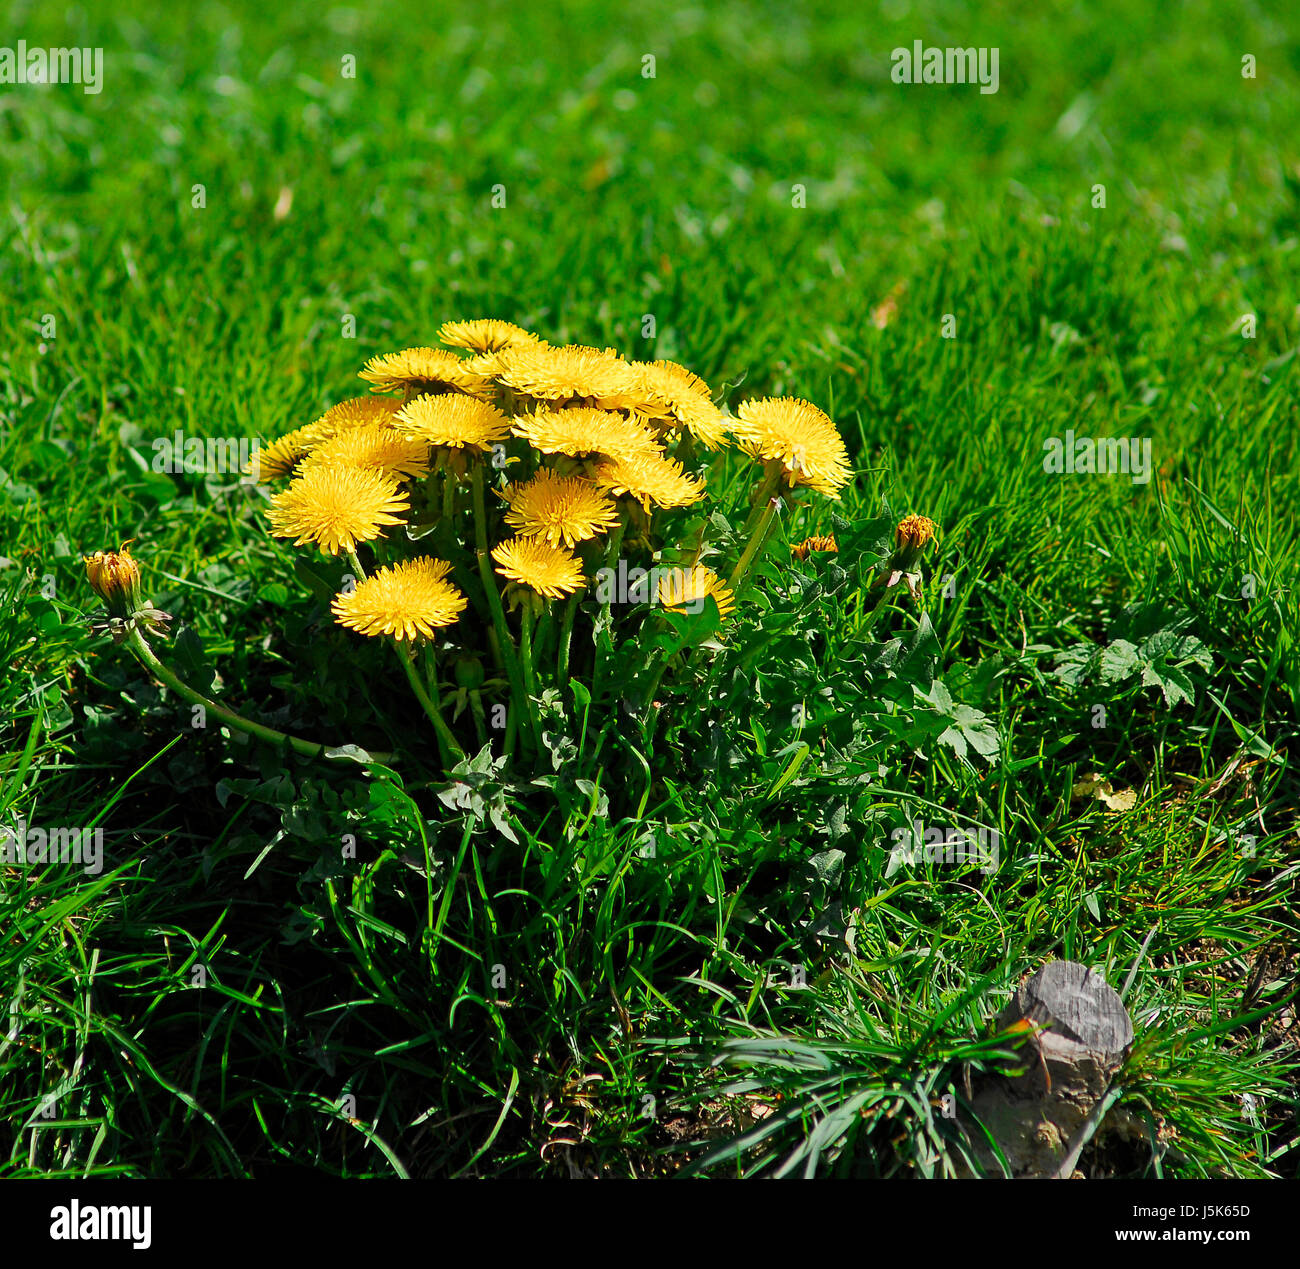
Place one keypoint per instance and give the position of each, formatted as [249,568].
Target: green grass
[629,977]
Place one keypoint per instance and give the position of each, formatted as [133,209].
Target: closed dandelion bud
[469,673]
[115,578]
[910,539]
[827,543]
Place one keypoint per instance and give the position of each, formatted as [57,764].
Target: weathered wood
[1043,1118]
[1079,1004]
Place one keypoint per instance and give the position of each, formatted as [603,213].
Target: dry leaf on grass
[1093,786]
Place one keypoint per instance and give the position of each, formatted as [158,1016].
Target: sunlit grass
[505,1008]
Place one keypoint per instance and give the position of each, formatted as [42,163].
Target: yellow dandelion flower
[798,436]
[649,478]
[405,600]
[337,507]
[678,400]
[573,372]
[685,590]
[375,448]
[282,455]
[417,370]
[485,335]
[557,509]
[488,365]
[354,412]
[581,431]
[681,377]
[453,420]
[549,570]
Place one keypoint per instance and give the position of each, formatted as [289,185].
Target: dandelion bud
[469,673]
[910,539]
[115,578]
[801,550]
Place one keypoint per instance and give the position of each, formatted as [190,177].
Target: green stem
[448,495]
[476,713]
[881,604]
[512,730]
[518,692]
[615,545]
[566,637]
[448,750]
[480,510]
[757,539]
[430,666]
[480,542]
[611,562]
[651,718]
[530,674]
[542,639]
[308,748]
[763,496]
[494,646]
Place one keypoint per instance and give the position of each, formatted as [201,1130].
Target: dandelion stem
[430,664]
[611,561]
[763,496]
[874,613]
[498,637]
[566,637]
[308,748]
[518,692]
[530,674]
[612,554]
[512,730]
[494,646]
[476,713]
[542,637]
[448,496]
[757,539]
[651,718]
[448,749]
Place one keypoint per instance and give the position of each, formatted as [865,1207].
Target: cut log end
[1043,1118]
[1074,1003]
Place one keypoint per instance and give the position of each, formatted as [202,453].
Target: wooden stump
[1043,1118]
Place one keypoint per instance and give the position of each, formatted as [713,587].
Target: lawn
[687,946]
